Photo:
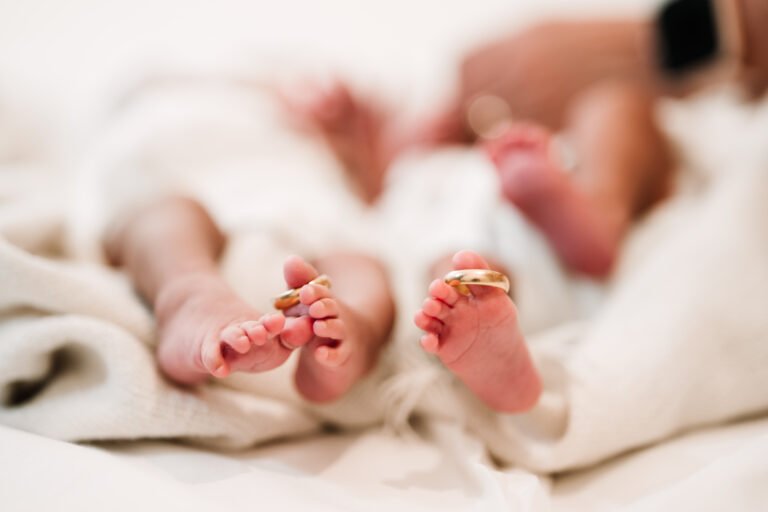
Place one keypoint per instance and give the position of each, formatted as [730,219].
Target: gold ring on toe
[290,298]
[461,279]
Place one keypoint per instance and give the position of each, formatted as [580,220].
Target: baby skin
[478,339]
[625,165]
[205,329]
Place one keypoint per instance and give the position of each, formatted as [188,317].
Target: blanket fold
[680,344]
[77,363]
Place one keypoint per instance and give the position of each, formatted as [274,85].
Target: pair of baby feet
[207,330]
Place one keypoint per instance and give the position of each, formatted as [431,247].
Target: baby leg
[356,130]
[343,328]
[170,251]
[624,167]
[479,340]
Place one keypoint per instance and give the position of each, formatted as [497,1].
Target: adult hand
[754,16]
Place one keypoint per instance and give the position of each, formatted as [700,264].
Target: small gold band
[290,298]
[462,279]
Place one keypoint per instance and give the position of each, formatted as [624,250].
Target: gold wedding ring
[462,279]
[290,298]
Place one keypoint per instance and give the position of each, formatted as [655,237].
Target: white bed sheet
[324,473]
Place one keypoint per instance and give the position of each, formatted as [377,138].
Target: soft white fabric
[76,341]
[93,41]
[76,353]
[363,471]
[79,338]
[626,380]
[681,343]
[445,470]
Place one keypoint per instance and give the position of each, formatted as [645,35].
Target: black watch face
[688,38]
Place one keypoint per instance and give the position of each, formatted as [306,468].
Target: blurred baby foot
[533,179]
[354,129]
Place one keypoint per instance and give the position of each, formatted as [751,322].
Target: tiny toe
[297,272]
[436,309]
[313,292]
[430,343]
[324,308]
[221,371]
[273,323]
[235,337]
[213,360]
[427,323]
[258,334]
[519,136]
[297,331]
[231,332]
[469,259]
[333,328]
[441,290]
[332,356]
[242,345]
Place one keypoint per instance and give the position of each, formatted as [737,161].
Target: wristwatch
[699,41]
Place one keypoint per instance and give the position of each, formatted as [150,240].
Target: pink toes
[332,328]
[332,356]
[522,136]
[257,333]
[263,330]
[427,323]
[441,290]
[430,342]
[239,346]
[471,260]
[436,309]
[430,319]
[297,272]
[235,337]
[468,259]
[320,316]
[478,339]
[213,360]
[311,293]
[297,332]
[324,308]
[273,323]
[324,371]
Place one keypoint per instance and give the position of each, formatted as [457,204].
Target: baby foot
[206,329]
[478,339]
[338,343]
[354,130]
[532,178]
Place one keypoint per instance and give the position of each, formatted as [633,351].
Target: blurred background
[60,61]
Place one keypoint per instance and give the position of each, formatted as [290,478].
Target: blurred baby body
[228,145]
